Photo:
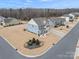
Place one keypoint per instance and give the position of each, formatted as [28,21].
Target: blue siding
[32,28]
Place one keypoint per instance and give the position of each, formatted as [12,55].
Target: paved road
[64,49]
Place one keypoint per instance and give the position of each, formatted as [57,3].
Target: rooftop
[40,21]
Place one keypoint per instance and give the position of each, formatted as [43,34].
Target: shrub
[29,43]
[61,29]
[33,40]
[62,24]
[71,20]
[24,29]
[55,26]
[67,26]
[20,23]
[5,26]
[37,42]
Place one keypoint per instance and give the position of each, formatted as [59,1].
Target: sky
[58,4]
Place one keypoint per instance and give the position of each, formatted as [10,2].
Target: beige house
[9,21]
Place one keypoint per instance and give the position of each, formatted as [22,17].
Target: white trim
[32,22]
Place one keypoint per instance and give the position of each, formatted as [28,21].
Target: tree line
[26,14]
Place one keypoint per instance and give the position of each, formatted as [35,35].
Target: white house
[57,21]
[68,17]
[2,20]
[75,15]
[38,26]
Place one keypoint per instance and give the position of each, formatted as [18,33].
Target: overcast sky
[39,3]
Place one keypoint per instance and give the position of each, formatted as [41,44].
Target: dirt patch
[77,57]
[17,37]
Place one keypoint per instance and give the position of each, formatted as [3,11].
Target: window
[32,25]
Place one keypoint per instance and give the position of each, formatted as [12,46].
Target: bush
[71,20]
[12,24]
[55,26]
[20,23]
[61,29]
[62,24]
[5,26]
[31,44]
[33,40]
[24,29]
[67,26]
[37,42]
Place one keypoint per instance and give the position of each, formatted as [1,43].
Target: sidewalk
[77,51]
[58,33]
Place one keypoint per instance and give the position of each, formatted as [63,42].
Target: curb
[22,53]
[76,51]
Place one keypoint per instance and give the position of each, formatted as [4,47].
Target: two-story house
[38,26]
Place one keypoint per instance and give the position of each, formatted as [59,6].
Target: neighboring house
[38,26]
[75,15]
[9,21]
[1,20]
[68,17]
[57,21]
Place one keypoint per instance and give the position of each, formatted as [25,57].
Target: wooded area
[26,14]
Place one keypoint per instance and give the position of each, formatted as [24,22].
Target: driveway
[64,49]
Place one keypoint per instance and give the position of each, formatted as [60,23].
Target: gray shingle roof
[66,15]
[40,21]
[10,21]
[57,19]
[75,14]
[2,18]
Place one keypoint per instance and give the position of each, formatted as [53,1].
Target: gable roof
[2,18]
[40,21]
[58,19]
[32,22]
[75,14]
[10,20]
[67,15]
